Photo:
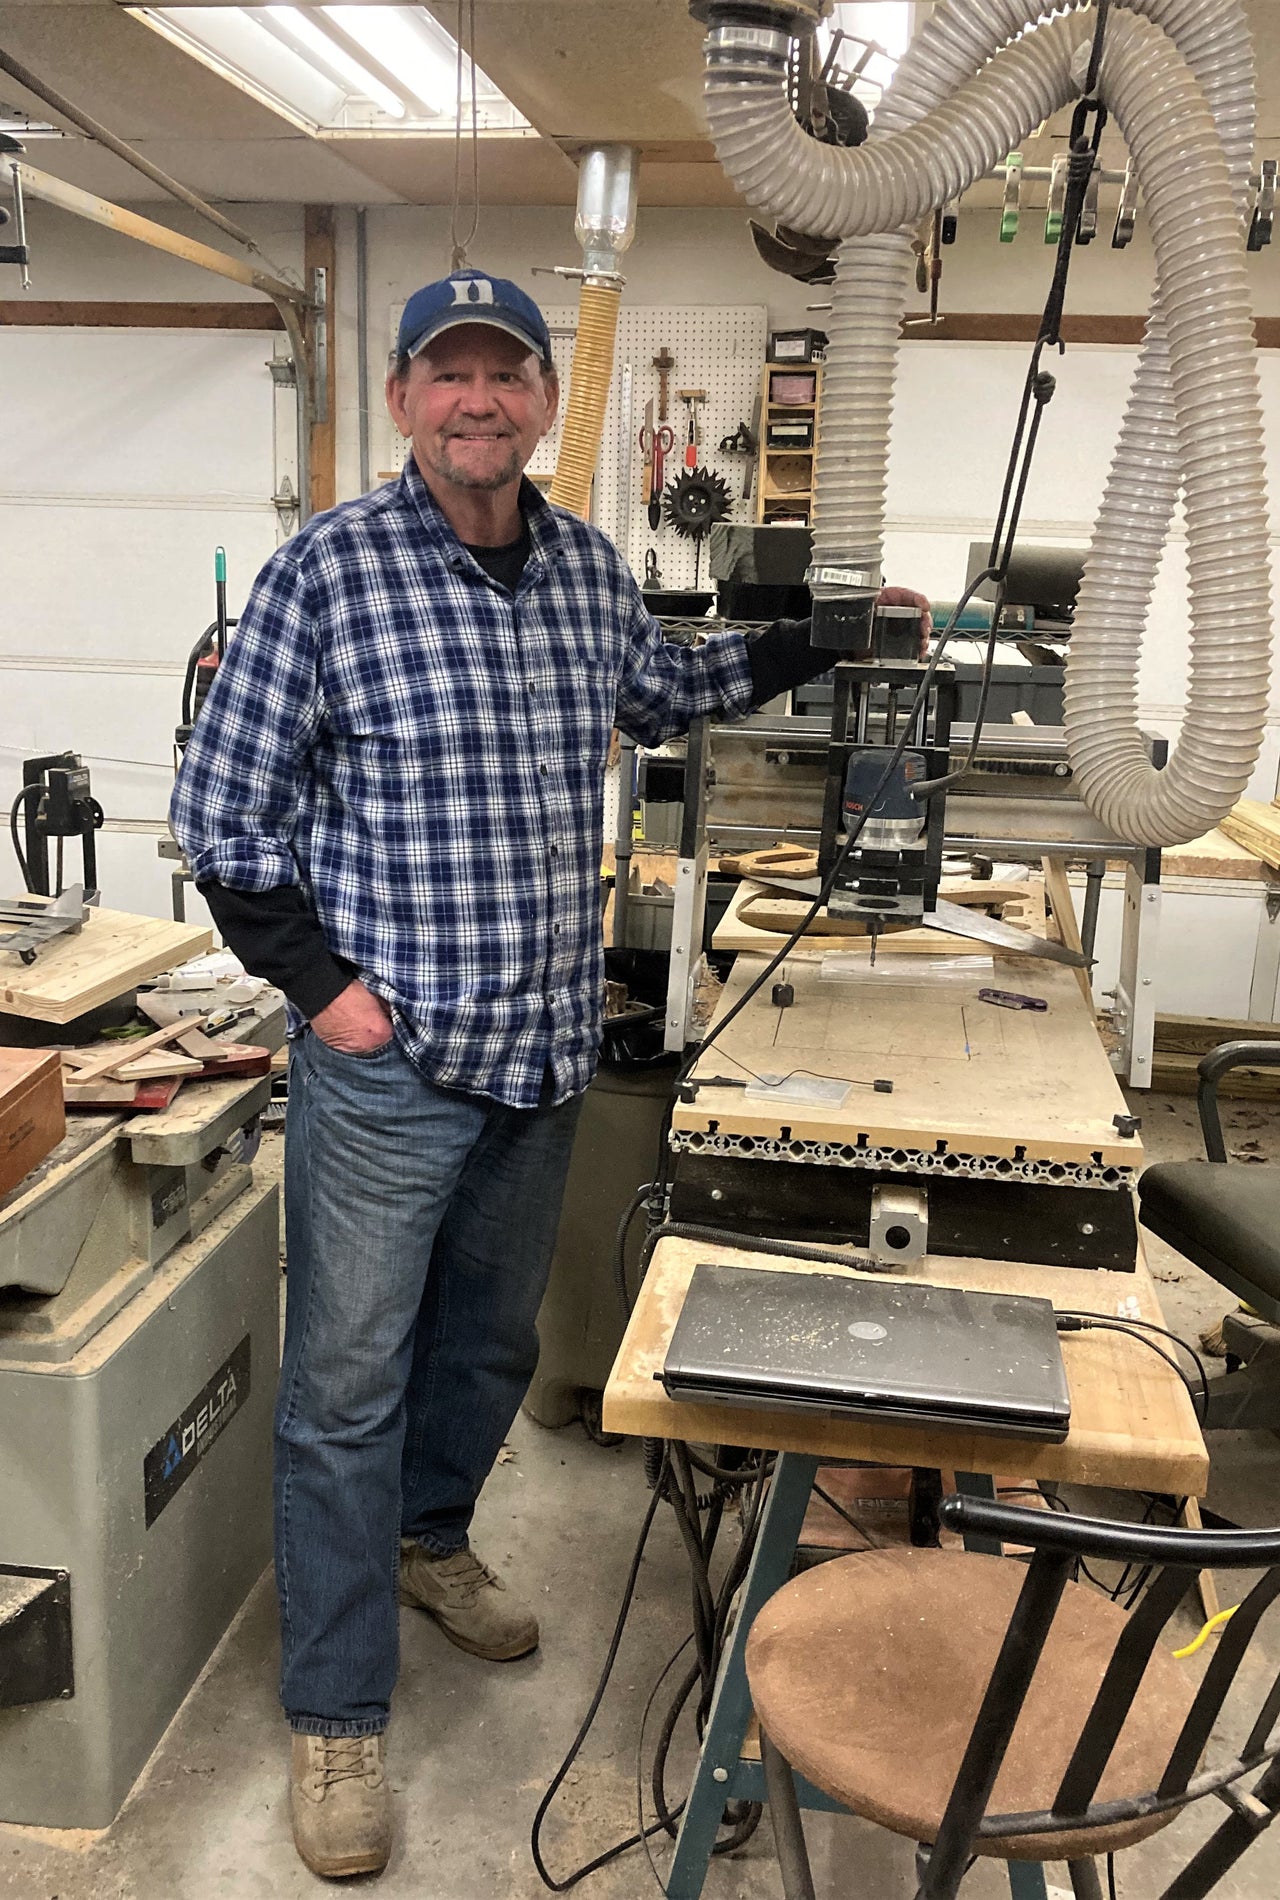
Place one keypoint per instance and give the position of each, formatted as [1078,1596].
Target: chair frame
[1058,1542]
[1247,1395]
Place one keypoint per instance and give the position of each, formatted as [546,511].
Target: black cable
[634,1205]
[621,1847]
[193,661]
[1111,1859]
[728,1237]
[23,866]
[666,1824]
[1138,1328]
[57,880]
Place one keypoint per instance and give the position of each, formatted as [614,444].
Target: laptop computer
[895,1350]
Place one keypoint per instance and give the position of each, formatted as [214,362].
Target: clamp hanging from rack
[19,253]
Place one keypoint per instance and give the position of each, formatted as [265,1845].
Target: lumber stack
[1180,1042]
[1257,827]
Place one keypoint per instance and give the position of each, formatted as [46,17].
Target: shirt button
[555,850]
[543,770]
[557,930]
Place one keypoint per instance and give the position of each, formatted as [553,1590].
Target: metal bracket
[285,502]
[319,343]
[284,371]
[1273,902]
[1057,200]
[1264,210]
[19,253]
[1087,229]
[1127,212]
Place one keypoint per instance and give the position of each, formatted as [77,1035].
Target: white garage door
[130,455]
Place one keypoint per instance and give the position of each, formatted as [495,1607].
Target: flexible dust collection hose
[589,381]
[1194,416]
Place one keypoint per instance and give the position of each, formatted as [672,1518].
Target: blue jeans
[420,1227]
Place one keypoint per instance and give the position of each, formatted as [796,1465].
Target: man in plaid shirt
[392,802]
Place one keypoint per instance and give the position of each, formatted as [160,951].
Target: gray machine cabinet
[149,1600]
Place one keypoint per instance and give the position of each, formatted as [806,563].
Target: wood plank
[1008,326]
[1214,855]
[32,1122]
[1132,1422]
[110,1058]
[63,313]
[1257,827]
[1178,1074]
[982,1080]
[320,252]
[758,919]
[1196,1035]
[112,954]
[1066,923]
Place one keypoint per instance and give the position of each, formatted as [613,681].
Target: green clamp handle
[1012,191]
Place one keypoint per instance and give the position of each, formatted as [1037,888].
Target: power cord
[711,1619]
[1069,1321]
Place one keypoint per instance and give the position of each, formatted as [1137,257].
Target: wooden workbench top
[1132,1422]
[979,1079]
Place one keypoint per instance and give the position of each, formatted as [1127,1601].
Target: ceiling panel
[515,169]
[624,70]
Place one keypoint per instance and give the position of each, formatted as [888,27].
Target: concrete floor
[473,1745]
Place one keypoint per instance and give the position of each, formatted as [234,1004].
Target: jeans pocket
[354,1055]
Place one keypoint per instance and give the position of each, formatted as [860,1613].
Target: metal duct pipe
[605,225]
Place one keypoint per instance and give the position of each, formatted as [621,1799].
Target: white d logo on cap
[471,289]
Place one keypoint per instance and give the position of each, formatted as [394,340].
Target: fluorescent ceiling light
[336,68]
[395,36]
[331,58]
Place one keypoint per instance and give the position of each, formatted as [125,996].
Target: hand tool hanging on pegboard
[663,437]
[646,457]
[692,400]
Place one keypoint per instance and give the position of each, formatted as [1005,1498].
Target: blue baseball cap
[472,296]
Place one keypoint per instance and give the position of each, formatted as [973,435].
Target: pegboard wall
[717,349]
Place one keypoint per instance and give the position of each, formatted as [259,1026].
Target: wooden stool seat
[867,1673]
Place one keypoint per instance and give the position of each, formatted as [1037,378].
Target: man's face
[476,404]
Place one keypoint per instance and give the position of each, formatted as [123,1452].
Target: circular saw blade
[696,498]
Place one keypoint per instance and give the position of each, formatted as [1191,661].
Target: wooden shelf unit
[784,490]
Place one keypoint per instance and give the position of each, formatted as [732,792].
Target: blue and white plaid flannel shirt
[425,754]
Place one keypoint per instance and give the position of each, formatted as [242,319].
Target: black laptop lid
[835,1342]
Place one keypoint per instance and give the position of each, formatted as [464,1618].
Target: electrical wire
[23,796]
[707,1634]
[620,1847]
[643,1830]
[819,1075]
[1138,1329]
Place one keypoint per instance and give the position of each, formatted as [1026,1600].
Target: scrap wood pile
[146,1071]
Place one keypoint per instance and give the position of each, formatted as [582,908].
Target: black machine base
[973,1219]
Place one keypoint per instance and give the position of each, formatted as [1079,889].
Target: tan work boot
[473,1607]
[341,1804]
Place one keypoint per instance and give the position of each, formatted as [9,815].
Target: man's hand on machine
[355,1023]
[784,655]
[907,597]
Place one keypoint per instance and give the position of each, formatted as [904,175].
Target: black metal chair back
[1058,1543]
